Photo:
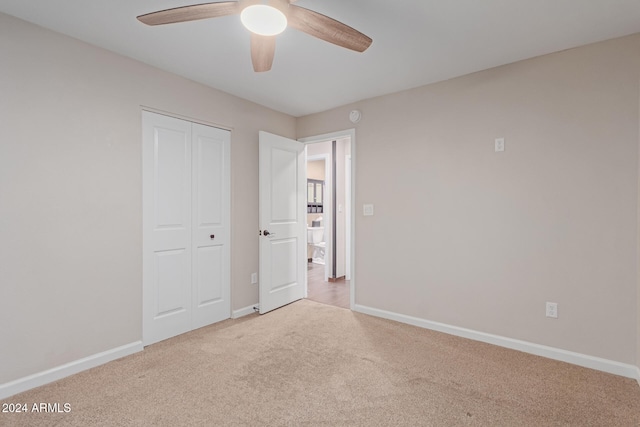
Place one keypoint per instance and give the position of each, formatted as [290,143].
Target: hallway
[332,293]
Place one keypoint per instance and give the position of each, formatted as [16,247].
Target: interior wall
[472,238]
[315,170]
[70,192]
[322,148]
[343,147]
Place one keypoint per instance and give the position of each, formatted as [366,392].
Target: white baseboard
[41,378]
[605,365]
[243,311]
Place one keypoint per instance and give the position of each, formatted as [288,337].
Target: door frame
[349,213]
[351,134]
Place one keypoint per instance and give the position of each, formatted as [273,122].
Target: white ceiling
[415,42]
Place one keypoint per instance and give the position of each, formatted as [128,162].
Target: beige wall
[461,235]
[481,240]
[315,170]
[70,192]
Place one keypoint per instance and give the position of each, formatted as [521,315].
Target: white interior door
[185,201]
[283,240]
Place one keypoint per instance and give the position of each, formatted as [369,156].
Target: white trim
[600,364]
[41,378]
[244,311]
[347,133]
[348,213]
[352,279]
[186,118]
[638,374]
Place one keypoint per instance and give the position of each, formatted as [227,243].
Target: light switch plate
[367,210]
[552,309]
[499,144]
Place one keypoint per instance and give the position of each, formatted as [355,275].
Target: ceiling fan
[265,19]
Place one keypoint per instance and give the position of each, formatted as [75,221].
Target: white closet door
[166,227]
[210,241]
[185,202]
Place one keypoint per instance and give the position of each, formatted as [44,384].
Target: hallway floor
[332,293]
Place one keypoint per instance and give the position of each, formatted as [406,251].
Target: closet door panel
[210,208]
[166,227]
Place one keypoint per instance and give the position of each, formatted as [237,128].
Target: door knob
[265,233]
[212,236]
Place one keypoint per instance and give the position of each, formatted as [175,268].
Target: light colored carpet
[309,364]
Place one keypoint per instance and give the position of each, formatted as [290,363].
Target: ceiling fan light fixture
[263,20]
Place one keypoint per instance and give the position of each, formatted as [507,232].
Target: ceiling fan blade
[263,48]
[327,29]
[190,13]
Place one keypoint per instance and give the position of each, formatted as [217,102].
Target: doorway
[329,219]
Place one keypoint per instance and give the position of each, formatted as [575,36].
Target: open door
[283,240]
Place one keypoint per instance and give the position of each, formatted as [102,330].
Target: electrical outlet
[552,309]
[499,144]
[254,278]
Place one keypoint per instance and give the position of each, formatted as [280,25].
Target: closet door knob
[212,236]
[265,233]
